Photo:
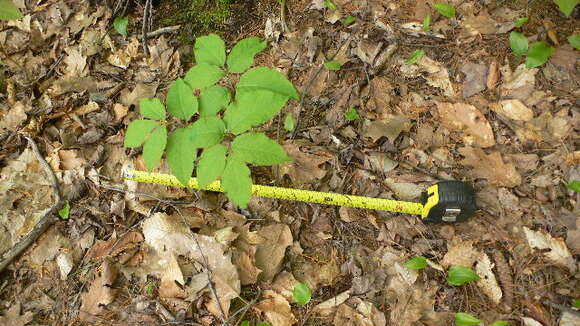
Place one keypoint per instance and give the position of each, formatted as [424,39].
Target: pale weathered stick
[45,222]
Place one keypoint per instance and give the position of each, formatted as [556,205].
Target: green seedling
[576,303]
[427,23]
[574,185]
[459,275]
[521,21]
[566,6]
[538,54]
[500,323]
[574,40]
[302,293]
[64,212]
[150,287]
[518,43]
[444,9]
[332,65]
[463,319]
[329,4]
[120,24]
[348,20]
[227,146]
[289,123]
[9,11]
[416,263]
[415,56]
[352,114]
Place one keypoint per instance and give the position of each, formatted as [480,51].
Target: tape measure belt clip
[448,201]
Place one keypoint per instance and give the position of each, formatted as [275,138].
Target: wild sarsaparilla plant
[214,135]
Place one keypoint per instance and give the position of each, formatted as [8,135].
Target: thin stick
[46,221]
[310,83]
[146,17]
[163,30]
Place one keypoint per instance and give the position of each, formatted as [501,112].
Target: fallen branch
[163,30]
[46,221]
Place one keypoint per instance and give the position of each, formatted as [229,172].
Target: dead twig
[311,82]
[163,30]
[46,221]
[145,26]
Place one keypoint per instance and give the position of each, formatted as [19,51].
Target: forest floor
[468,110]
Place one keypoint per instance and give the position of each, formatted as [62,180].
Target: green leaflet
[206,132]
[181,102]
[302,293]
[203,75]
[459,275]
[242,55]
[120,24]
[137,131]
[9,11]
[181,154]
[154,147]
[521,21]
[152,108]
[574,40]
[427,23]
[211,164]
[332,65]
[518,43]
[252,108]
[258,149]
[538,54]
[445,9]
[416,263]
[566,6]
[212,100]
[64,212]
[236,181]
[463,319]
[210,49]
[416,55]
[574,185]
[352,114]
[289,123]
[266,79]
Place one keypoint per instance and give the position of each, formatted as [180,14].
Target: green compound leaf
[415,56]
[445,9]
[329,4]
[538,54]
[301,293]
[236,181]
[352,114]
[332,65]
[210,49]
[574,185]
[463,319]
[154,147]
[500,323]
[252,108]
[566,6]
[574,40]
[417,263]
[152,108]
[518,43]
[64,212]
[521,21]
[211,164]
[242,55]
[206,132]
[137,131]
[181,102]
[459,275]
[120,24]
[180,154]
[427,23]
[266,79]
[289,123]
[9,11]
[212,100]
[203,75]
[258,149]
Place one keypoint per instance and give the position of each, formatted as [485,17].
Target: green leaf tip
[463,319]
[302,293]
[459,275]
[416,263]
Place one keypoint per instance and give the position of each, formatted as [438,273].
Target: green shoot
[352,114]
[301,293]
[415,56]
[417,263]
[445,9]
[332,65]
[518,43]
[427,23]
[120,24]
[64,212]
[463,319]
[538,54]
[521,21]
[566,6]
[9,11]
[459,275]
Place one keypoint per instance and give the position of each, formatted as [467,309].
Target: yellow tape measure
[456,204]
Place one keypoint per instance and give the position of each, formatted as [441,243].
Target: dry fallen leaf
[460,253]
[484,24]
[100,293]
[276,309]
[475,78]
[467,118]
[558,254]
[490,167]
[12,317]
[488,283]
[270,253]
[305,165]
[518,84]
[438,76]
[391,126]
[513,109]
[328,307]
